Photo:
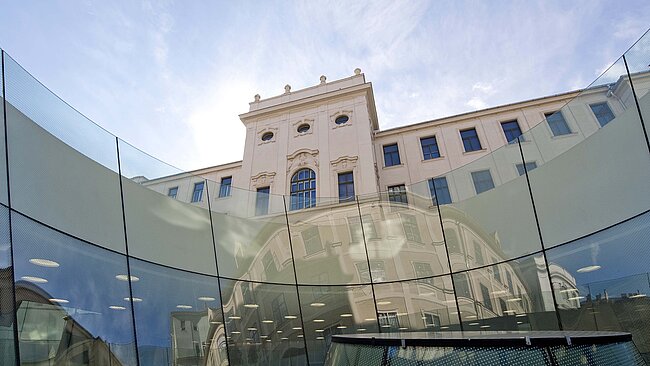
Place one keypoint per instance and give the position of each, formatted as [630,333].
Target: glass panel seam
[365,248]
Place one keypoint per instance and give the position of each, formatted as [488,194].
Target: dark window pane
[224,189]
[429,148]
[439,190]
[346,187]
[511,130]
[262,201]
[529,166]
[197,194]
[303,189]
[602,112]
[470,140]
[557,123]
[391,155]
[482,181]
[397,194]
[173,192]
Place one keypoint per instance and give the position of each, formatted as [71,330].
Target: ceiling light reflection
[34,279]
[44,262]
[588,269]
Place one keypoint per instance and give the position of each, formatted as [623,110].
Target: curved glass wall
[99,266]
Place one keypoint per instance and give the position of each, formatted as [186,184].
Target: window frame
[169,192]
[198,193]
[435,190]
[224,189]
[566,123]
[609,108]
[347,185]
[469,140]
[513,123]
[301,198]
[431,154]
[474,181]
[393,192]
[392,155]
[261,196]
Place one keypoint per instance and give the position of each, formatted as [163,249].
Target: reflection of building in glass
[529,216]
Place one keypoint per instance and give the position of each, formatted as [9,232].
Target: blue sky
[172,77]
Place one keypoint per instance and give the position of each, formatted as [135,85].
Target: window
[470,140]
[303,128]
[341,119]
[431,320]
[429,148]
[439,190]
[497,271]
[197,194]
[511,130]
[529,166]
[453,243]
[509,279]
[423,270]
[303,189]
[482,181]
[262,201]
[311,239]
[378,271]
[391,155]
[602,112]
[173,192]
[388,319]
[397,194]
[411,229]
[486,297]
[346,187]
[557,123]
[462,285]
[357,233]
[478,254]
[224,189]
[279,306]
[267,136]
[504,307]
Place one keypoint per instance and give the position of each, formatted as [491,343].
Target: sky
[171,77]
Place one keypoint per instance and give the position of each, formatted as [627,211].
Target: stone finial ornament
[287,89]
[257,97]
[323,78]
[357,71]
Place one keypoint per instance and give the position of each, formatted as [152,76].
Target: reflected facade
[109,256]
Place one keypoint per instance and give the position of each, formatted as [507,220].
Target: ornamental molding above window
[302,158]
[263,131]
[341,112]
[262,179]
[344,163]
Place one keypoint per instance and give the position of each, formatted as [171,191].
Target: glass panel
[420,305]
[3,155]
[263,324]
[404,241]
[496,224]
[514,295]
[72,299]
[178,315]
[250,246]
[62,165]
[603,281]
[159,228]
[7,319]
[330,310]
[637,61]
[586,182]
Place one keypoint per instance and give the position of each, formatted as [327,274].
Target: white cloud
[476,103]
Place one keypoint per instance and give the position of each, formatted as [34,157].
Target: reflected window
[504,306]
[557,123]
[311,239]
[411,229]
[529,166]
[388,319]
[478,254]
[397,194]
[422,270]
[346,187]
[511,130]
[453,243]
[462,285]
[197,193]
[485,293]
[269,264]
[173,192]
[429,148]
[391,155]
[303,189]
[497,271]
[262,201]
[439,190]
[356,233]
[378,271]
[279,306]
[470,140]
[431,320]
[509,279]
[224,189]
[602,112]
[482,181]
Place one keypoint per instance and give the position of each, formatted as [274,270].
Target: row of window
[197,192]
[511,131]
[305,127]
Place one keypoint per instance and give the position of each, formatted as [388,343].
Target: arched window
[303,189]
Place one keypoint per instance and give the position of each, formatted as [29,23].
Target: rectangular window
[453,242]
[197,194]
[224,189]
[602,112]
[486,297]
[356,233]
[346,187]
[529,166]
[431,320]
[470,140]
[311,238]
[478,253]
[378,271]
[557,123]
[397,194]
[262,201]
[391,155]
[462,285]
[482,181]
[411,229]
[279,308]
[429,148]
[511,130]
[173,192]
[509,279]
[388,319]
[497,271]
[439,190]
[423,270]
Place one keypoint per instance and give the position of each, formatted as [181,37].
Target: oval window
[303,128]
[267,136]
[341,119]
